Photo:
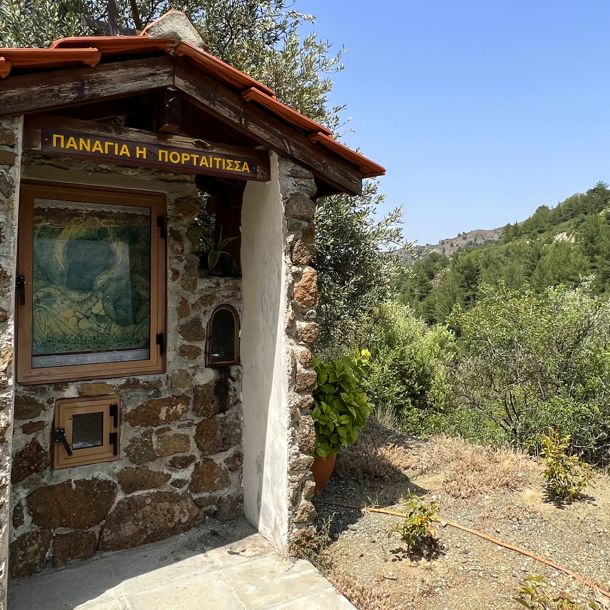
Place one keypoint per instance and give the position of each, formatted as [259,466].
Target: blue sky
[479,110]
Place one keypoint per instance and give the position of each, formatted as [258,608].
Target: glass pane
[87,430]
[223,337]
[91,282]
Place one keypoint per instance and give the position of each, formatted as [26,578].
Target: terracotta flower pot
[322,469]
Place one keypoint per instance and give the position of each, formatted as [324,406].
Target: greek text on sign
[191,160]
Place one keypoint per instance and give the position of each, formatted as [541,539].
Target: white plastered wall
[264,358]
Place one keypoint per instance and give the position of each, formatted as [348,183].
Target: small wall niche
[222,346]
[86,431]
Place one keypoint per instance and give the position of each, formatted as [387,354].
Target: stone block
[229,507]
[190,352]
[74,504]
[28,554]
[147,518]
[27,407]
[192,330]
[30,460]
[305,380]
[180,379]
[183,310]
[208,476]
[181,462]
[8,137]
[140,450]
[179,483]
[302,253]
[308,332]
[96,389]
[305,513]
[217,434]
[300,206]
[158,411]
[306,435]
[136,479]
[306,289]
[170,444]
[32,427]
[74,545]
[235,461]
[18,516]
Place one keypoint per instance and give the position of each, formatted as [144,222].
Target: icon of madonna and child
[91,285]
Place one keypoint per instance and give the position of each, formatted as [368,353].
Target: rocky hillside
[452,245]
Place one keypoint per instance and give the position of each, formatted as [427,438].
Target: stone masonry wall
[10,163]
[180,447]
[297,188]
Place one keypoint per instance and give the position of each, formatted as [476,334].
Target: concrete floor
[216,567]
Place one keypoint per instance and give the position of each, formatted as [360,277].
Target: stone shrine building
[157,299]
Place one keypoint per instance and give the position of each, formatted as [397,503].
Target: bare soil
[496,491]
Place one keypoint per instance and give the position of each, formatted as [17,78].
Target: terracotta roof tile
[90,50]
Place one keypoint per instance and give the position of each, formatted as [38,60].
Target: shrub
[417,528]
[341,408]
[527,361]
[535,595]
[407,383]
[566,476]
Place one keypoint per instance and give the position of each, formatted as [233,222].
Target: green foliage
[355,270]
[566,476]
[535,595]
[417,528]
[526,361]
[408,369]
[215,248]
[555,246]
[341,407]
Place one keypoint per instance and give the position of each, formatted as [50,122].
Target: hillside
[558,245]
[452,245]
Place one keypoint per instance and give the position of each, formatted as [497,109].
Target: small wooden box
[91,429]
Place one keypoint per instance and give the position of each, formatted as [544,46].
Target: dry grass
[468,470]
[364,598]
[380,453]
[459,468]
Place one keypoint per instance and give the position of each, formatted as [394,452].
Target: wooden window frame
[208,345]
[156,202]
[65,409]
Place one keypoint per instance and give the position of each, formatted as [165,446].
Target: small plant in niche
[215,252]
[566,475]
[213,255]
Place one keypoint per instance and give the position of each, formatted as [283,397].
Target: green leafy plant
[566,475]
[341,407]
[535,595]
[417,528]
[215,248]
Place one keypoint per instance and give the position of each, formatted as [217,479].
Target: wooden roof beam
[34,92]
[229,107]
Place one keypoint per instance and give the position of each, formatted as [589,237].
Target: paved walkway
[216,567]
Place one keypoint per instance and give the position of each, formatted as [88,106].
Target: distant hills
[451,245]
[555,245]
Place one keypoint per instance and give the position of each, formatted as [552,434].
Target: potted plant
[340,410]
[214,252]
